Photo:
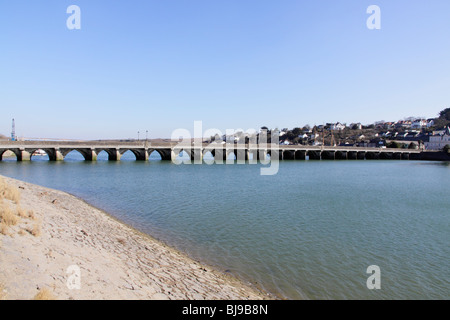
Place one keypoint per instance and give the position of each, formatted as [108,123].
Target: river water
[308,232]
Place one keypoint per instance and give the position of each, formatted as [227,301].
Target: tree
[412,145]
[296,131]
[446,148]
[445,114]
[394,144]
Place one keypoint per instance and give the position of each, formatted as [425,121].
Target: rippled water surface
[309,231]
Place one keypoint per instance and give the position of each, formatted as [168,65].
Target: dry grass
[44,294]
[36,230]
[7,216]
[4,229]
[22,213]
[27,214]
[9,192]
[11,216]
[31,215]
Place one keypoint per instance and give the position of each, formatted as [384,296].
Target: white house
[337,126]
[419,124]
[438,140]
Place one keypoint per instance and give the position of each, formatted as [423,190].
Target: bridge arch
[125,152]
[102,154]
[300,155]
[272,153]
[154,155]
[112,154]
[231,154]
[48,153]
[16,152]
[289,155]
[208,156]
[165,153]
[74,154]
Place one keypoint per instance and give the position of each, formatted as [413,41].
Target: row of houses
[405,124]
[416,124]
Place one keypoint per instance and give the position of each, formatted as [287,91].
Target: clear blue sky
[161,65]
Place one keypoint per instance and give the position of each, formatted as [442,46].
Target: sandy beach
[60,247]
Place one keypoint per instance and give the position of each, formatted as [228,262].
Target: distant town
[412,133]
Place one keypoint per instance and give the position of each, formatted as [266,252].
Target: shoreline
[114,260]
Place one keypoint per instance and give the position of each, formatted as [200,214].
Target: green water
[308,232]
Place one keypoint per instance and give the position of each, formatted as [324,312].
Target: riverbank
[47,236]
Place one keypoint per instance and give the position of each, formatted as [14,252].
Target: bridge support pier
[361,155]
[114,155]
[241,156]
[90,155]
[261,155]
[274,154]
[142,155]
[196,156]
[58,155]
[24,155]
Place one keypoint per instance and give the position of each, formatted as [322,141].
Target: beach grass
[9,192]
[44,294]
[7,215]
[4,228]
[35,230]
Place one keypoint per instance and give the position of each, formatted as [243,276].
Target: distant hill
[2,137]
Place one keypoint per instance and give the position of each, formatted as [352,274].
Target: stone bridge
[57,151]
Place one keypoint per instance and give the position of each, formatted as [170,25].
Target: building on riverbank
[438,140]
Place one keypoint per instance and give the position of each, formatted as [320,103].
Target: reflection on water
[310,231]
